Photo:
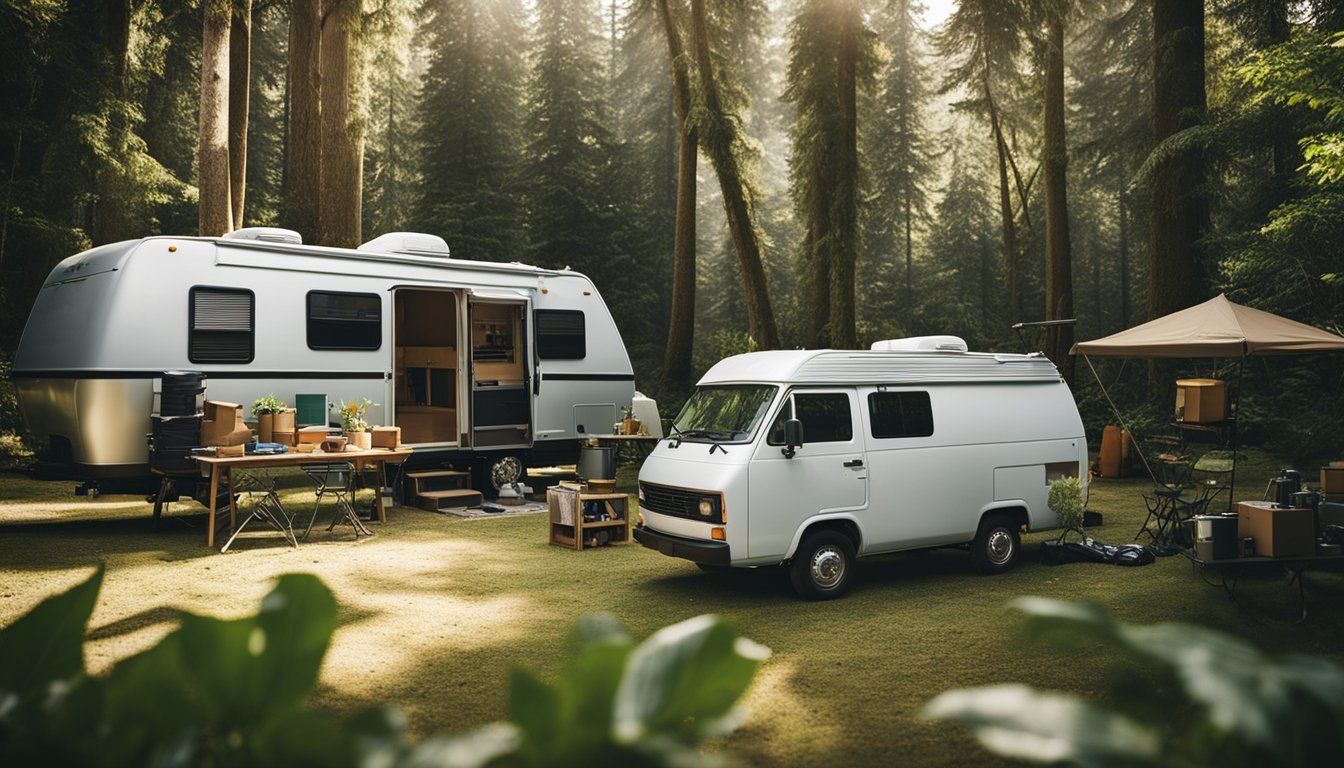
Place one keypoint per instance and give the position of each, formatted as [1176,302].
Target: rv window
[221,326]
[900,414]
[825,415]
[344,320]
[560,334]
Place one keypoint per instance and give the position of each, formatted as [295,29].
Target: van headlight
[706,508]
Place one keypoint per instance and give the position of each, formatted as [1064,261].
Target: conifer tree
[470,114]
[832,60]
[216,215]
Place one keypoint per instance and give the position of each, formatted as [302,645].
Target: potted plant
[352,421]
[1066,501]
[273,420]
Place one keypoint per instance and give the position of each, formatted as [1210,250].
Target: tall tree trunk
[1124,259]
[339,219]
[845,200]
[1180,212]
[1011,266]
[1058,250]
[681,327]
[213,151]
[240,82]
[817,292]
[114,33]
[718,145]
[303,180]
[909,254]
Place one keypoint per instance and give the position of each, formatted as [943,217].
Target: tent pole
[1133,443]
[1236,433]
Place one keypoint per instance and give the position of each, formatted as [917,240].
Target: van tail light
[718,534]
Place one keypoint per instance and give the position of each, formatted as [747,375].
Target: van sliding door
[427,357]
[501,374]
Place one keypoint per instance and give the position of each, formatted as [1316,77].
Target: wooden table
[1229,570]
[224,465]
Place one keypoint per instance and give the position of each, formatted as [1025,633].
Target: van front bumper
[695,550]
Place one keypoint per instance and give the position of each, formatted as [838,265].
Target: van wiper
[714,435]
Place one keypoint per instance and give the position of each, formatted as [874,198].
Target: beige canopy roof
[1216,328]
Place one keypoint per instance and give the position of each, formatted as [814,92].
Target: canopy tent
[1216,328]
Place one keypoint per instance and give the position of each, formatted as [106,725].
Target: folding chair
[336,480]
[265,506]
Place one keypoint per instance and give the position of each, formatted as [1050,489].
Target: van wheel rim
[828,567]
[1000,547]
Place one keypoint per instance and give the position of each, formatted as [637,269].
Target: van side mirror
[793,437]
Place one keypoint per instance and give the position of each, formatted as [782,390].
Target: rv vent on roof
[922,343]
[412,243]
[266,235]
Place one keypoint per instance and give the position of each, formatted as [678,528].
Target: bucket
[596,462]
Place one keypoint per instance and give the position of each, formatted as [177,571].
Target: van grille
[680,503]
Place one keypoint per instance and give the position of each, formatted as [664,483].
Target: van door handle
[853,463]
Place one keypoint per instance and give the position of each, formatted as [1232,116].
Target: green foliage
[267,404]
[1066,501]
[234,692]
[1308,71]
[1217,700]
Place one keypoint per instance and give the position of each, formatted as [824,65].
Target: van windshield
[728,414]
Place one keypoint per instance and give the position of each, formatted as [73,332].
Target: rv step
[436,501]
[436,473]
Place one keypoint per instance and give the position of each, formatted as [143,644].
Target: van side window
[221,325]
[560,334]
[901,414]
[825,416]
[344,320]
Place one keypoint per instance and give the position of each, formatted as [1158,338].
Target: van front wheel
[997,545]
[823,566]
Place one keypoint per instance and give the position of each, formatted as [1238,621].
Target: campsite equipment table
[632,448]
[1229,570]
[224,465]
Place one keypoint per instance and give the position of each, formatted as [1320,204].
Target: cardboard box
[1201,401]
[223,424]
[313,435]
[1332,479]
[1277,532]
[386,437]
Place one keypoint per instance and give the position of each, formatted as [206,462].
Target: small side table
[579,519]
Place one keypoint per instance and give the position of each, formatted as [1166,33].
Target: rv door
[501,371]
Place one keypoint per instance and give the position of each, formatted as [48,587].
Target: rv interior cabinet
[426,372]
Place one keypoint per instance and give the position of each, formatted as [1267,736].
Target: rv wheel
[823,565]
[498,471]
[996,546]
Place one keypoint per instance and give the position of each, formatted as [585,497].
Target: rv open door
[501,370]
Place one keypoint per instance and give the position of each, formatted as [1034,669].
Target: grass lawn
[435,609]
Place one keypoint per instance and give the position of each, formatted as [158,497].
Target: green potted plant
[352,421]
[275,422]
[1066,501]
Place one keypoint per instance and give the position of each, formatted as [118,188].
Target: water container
[646,410]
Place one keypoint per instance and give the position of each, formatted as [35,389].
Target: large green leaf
[535,707]
[298,618]
[47,643]
[685,677]
[1017,721]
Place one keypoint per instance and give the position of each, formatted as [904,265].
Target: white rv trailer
[816,457]
[500,365]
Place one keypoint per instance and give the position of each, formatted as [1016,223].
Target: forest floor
[435,609]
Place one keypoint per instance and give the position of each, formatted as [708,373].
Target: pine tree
[900,153]
[240,86]
[832,60]
[469,116]
[303,157]
[1054,161]
[984,40]
[391,156]
[339,216]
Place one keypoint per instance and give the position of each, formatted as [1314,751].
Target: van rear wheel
[823,566]
[997,544]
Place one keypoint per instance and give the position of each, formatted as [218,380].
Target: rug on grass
[476,513]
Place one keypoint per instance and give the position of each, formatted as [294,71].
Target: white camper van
[816,457]
[497,365]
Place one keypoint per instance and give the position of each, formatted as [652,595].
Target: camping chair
[264,506]
[336,480]
[1170,468]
